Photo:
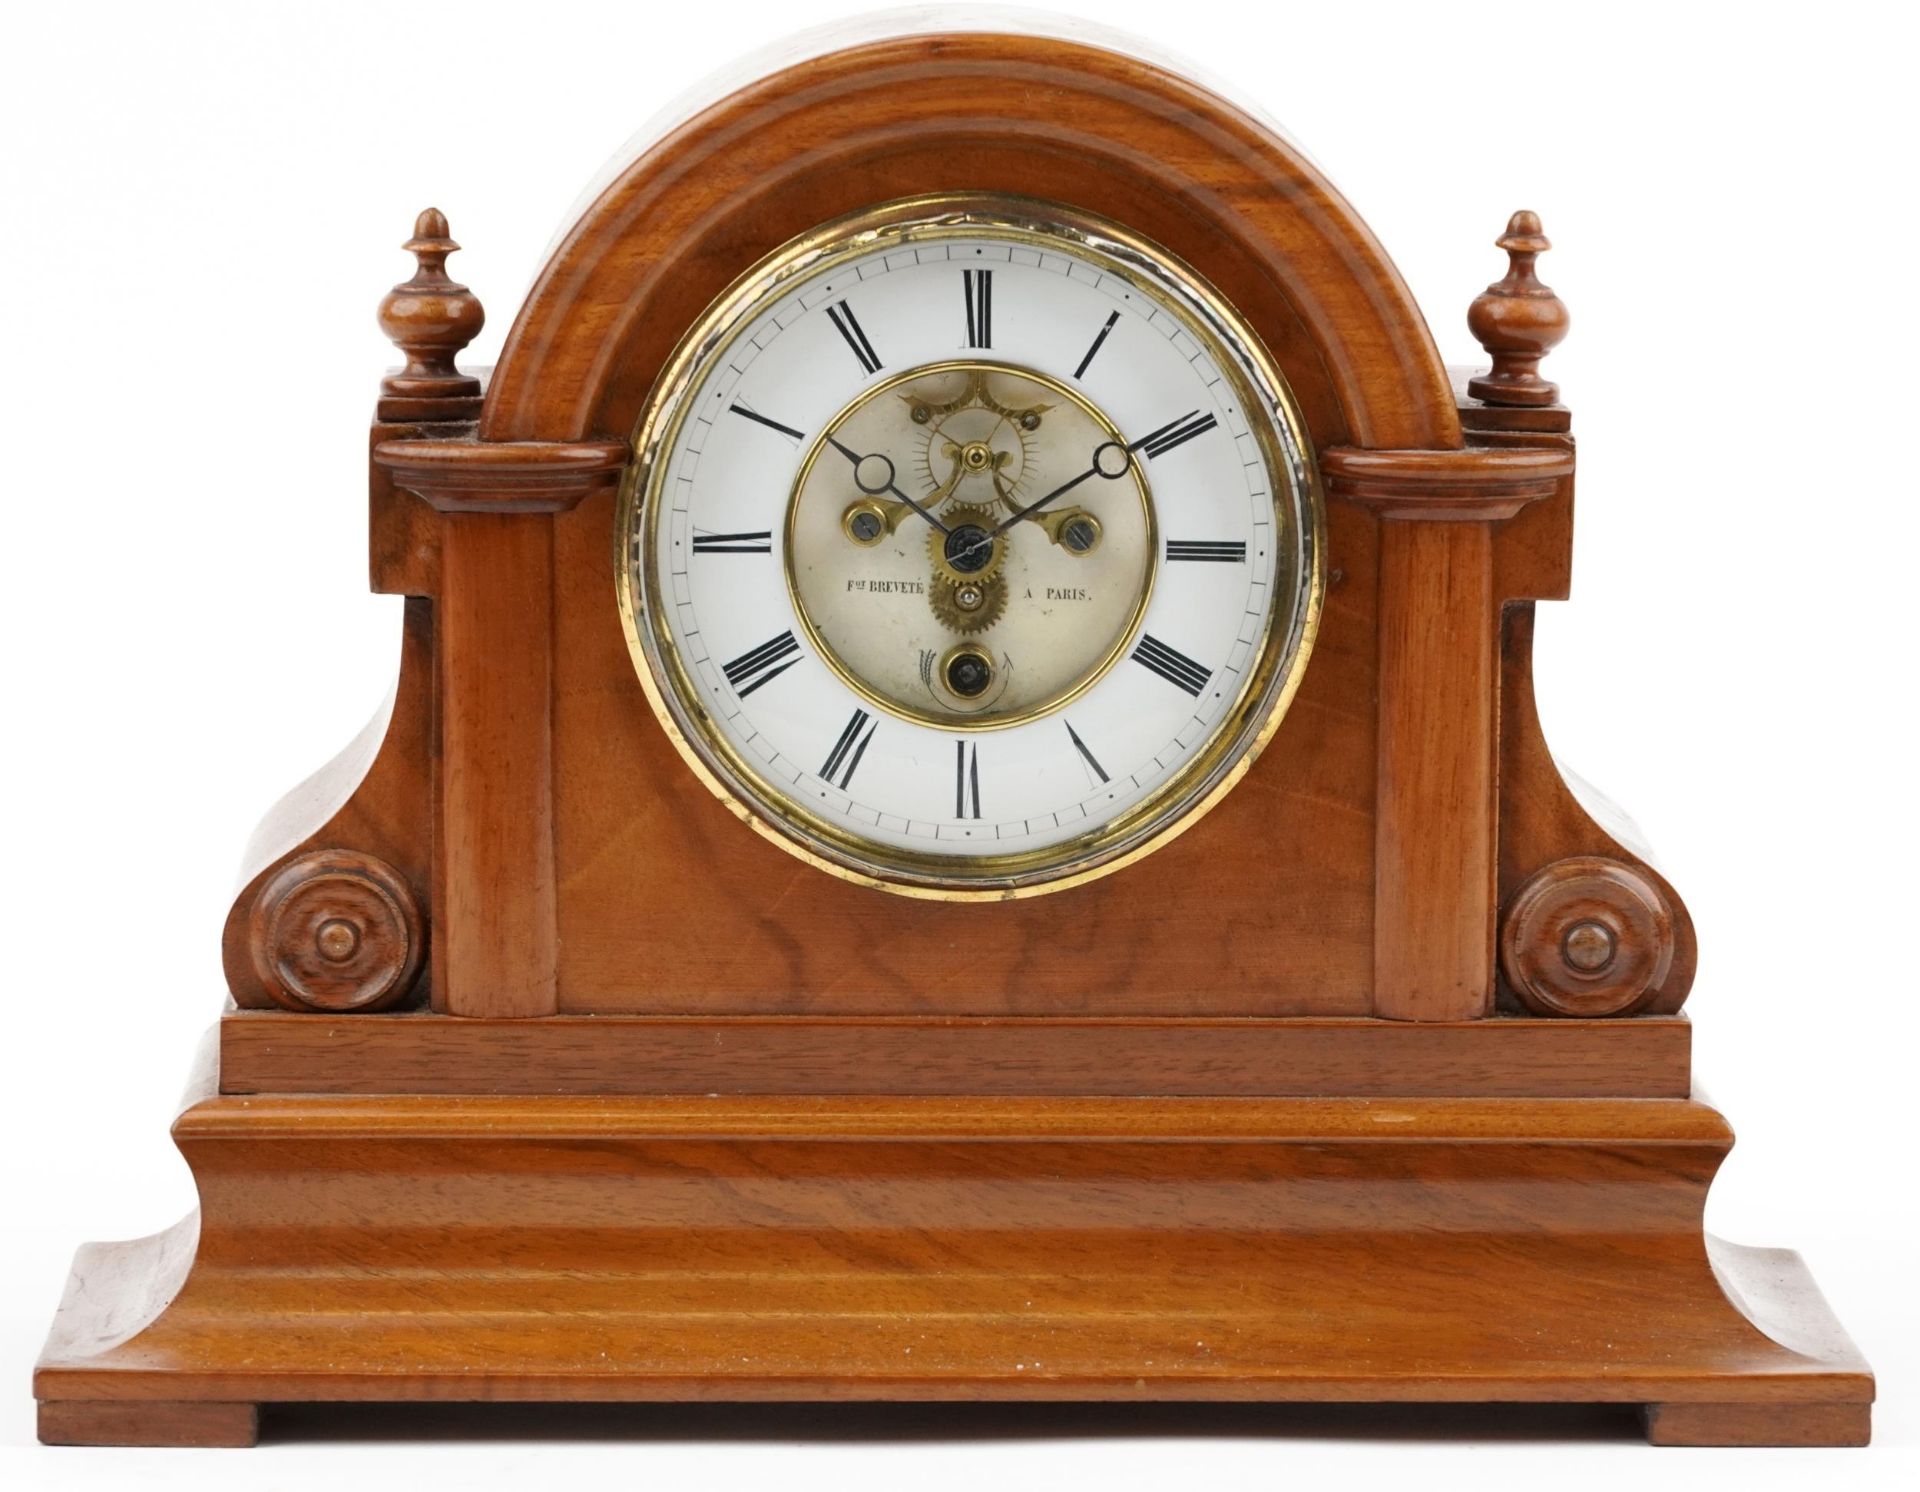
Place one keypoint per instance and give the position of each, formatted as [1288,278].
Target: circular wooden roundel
[336,931]
[1587,936]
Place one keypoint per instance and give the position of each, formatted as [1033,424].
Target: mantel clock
[962,818]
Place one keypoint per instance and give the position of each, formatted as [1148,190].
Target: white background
[200,208]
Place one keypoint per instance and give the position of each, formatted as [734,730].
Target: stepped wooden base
[626,1249]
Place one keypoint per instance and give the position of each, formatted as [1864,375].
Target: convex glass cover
[972,547]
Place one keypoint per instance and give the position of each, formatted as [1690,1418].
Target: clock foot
[160,1422]
[1758,1424]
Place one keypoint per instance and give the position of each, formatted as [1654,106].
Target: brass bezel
[1244,730]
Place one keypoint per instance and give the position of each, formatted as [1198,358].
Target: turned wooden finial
[1518,321]
[430,318]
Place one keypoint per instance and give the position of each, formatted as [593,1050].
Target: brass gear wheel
[958,516]
[946,597]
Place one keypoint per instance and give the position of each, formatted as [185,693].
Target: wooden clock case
[545,1079]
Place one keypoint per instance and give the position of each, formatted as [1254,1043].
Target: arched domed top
[907,115]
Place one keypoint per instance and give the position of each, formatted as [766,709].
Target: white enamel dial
[972,547]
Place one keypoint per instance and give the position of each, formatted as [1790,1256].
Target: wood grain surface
[263,1052]
[496,952]
[599,1248]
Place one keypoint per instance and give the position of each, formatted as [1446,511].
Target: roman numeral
[1085,755]
[1171,664]
[761,543]
[1214,551]
[1178,433]
[966,781]
[1081,371]
[841,315]
[760,419]
[848,750]
[978,284]
[762,665]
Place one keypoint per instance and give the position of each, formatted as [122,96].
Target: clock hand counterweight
[873,475]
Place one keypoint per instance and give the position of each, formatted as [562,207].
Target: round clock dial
[972,547]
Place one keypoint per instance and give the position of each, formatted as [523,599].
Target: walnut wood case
[544,1079]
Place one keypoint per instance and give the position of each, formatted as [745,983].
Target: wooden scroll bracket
[330,915]
[491,522]
[1470,539]
[1588,924]
[332,912]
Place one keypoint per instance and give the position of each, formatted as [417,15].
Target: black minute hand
[873,475]
[1110,460]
